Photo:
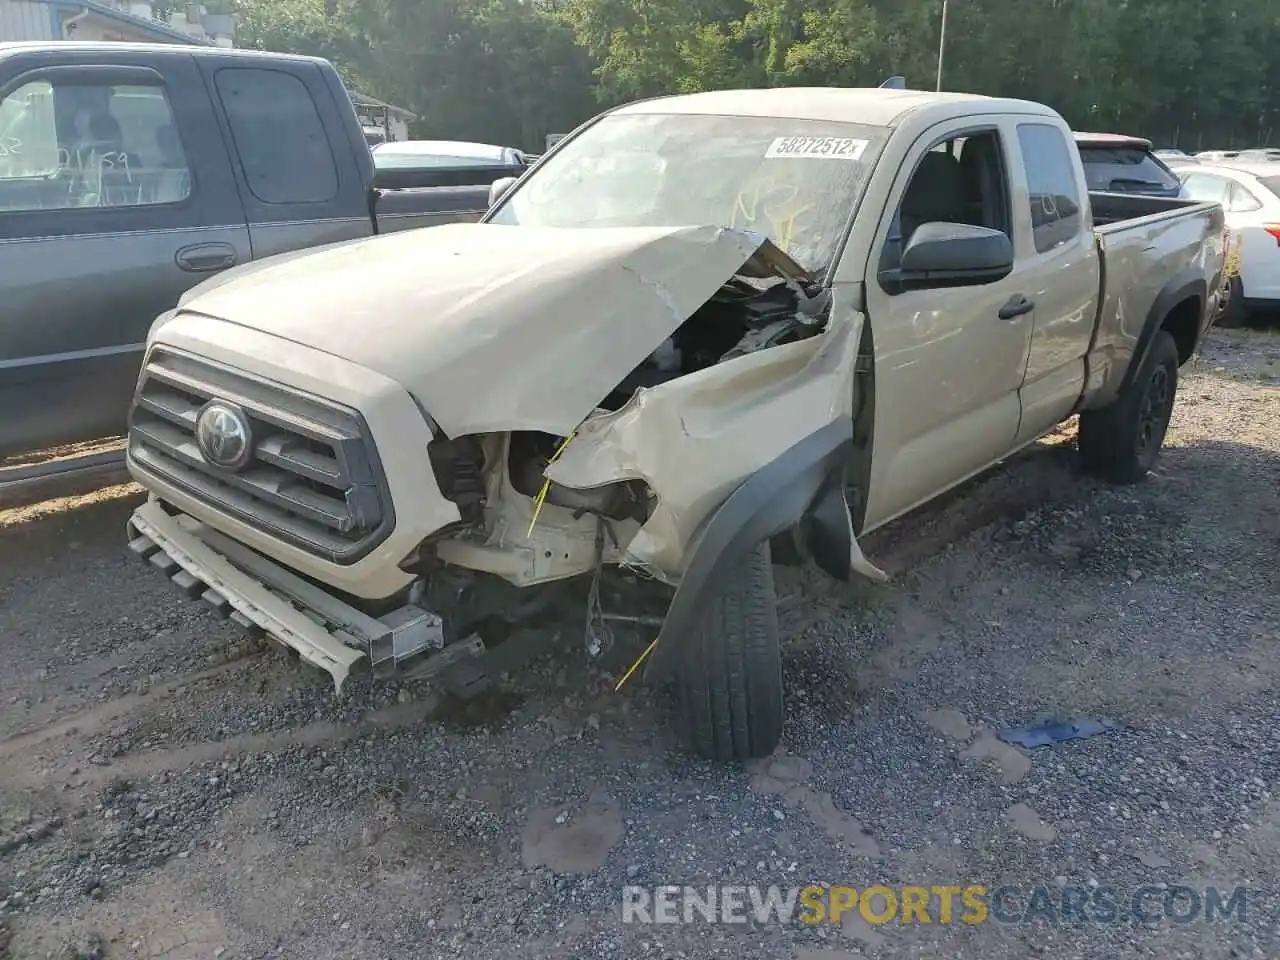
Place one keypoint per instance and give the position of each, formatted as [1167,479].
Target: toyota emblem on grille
[223,435]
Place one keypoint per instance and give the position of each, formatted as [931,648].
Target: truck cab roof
[876,106]
[110,48]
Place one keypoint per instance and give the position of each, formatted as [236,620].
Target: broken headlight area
[528,455]
[458,465]
[744,316]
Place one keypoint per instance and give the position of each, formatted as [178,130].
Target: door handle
[1018,305]
[206,257]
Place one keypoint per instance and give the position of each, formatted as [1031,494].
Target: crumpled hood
[492,327]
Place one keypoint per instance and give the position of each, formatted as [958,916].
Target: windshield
[1271,183]
[795,181]
[1107,168]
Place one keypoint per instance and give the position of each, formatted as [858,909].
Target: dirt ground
[171,790]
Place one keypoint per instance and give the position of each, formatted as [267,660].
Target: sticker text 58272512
[816,148]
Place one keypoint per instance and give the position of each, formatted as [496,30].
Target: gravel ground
[169,789]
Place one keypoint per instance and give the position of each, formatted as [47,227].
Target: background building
[125,20]
[135,21]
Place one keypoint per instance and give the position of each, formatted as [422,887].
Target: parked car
[1259,155]
[1217,155]
[700,330]
[131,172]
[1121,164]
[1170,155]
[1250,195]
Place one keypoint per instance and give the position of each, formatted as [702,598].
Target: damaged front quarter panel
[496,328]
[697,439]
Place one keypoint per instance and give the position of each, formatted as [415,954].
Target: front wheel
[1122,442]
[730,683]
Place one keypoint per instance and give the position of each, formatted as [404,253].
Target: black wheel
[1121,442]
[730,684]
[1232,314]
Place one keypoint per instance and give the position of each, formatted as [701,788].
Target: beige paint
[694,439]
[488,329]
[395,420]
[557,317]
[957,388]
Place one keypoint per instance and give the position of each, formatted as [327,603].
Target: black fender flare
[1184,286]
[803,486]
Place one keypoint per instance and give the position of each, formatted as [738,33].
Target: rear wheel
[730,683]
[1122,442]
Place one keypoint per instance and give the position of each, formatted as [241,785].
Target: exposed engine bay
[742,317]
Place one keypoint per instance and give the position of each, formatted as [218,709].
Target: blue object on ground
[1047,734]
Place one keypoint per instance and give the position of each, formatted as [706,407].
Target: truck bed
[1110,210]
[1161,256]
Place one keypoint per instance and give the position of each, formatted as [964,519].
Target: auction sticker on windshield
[817,148]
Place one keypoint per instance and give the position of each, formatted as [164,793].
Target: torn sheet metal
[696,438]
[491,327]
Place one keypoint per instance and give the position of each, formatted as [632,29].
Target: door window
[1053,190]
[279,136]
[960,180]
[71,146]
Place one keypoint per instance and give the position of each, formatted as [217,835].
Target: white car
[1250,195]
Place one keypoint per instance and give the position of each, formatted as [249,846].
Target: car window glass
[1204,188]
[1240,200]
[960,180]
[1272,184]
[279,136]
[1053,192]
[1123,169]
[794,181]
[70,146]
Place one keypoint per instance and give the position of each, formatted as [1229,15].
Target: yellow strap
[546,484]
[632,669]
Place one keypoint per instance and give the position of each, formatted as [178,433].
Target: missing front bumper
[261,595]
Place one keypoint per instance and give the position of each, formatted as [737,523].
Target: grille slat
[173,407]
[313,480]
[290,453]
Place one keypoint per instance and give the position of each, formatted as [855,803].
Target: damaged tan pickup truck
[701,332]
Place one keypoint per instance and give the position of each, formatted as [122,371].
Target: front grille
[313,481]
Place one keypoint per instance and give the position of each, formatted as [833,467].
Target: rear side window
[1124,169]
[1203,188]
[1051,184]
[1240,200]
[278,135]
[1271,183]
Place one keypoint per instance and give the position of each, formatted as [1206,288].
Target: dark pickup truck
[131,172]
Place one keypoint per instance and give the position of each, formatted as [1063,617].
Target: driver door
[949,361]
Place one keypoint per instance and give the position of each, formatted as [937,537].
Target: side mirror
[953,254]
[498,188]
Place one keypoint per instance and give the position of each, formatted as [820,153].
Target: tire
[1232,314]
[1121,443]
[730,683]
